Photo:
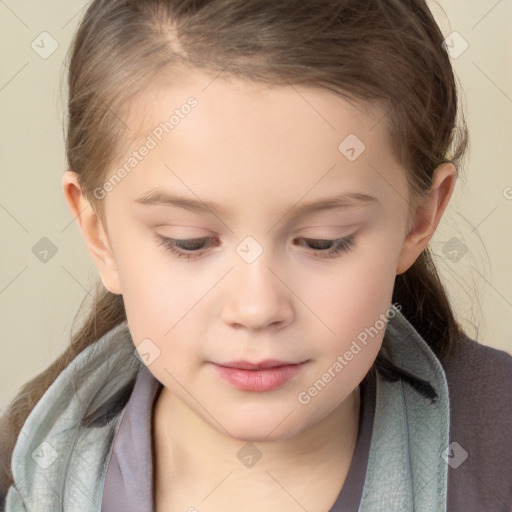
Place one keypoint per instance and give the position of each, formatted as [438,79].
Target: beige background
[38,301]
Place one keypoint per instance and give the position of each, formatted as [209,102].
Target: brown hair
[386,52]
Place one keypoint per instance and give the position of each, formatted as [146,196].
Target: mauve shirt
[479,381]
[129,481]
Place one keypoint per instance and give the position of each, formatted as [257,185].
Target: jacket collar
[55,461]
[407,469]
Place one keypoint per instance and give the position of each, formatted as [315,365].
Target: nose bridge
[256,297]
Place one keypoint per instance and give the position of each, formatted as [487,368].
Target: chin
[252,429]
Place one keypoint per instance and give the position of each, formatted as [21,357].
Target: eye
[178,246]
[193,247]
[330,248]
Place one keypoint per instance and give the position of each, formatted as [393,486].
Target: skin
[257,151]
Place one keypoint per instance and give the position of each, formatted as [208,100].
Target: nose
[256,297]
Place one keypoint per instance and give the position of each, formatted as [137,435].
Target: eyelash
[342,245]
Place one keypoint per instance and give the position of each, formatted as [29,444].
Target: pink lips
[264,376]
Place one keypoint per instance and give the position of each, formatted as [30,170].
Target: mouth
[260,377]
[262,365]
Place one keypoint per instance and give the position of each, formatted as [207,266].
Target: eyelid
[340,245]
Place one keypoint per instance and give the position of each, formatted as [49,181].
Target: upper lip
[247,365]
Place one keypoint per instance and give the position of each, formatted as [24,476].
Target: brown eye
[180,247]
[329,248]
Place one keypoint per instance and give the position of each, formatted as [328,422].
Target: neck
[188,445]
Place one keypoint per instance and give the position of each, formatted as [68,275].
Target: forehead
[259,136]
[236,104]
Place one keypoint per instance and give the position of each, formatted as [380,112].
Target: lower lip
[258,380]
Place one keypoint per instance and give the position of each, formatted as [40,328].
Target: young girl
[257,183]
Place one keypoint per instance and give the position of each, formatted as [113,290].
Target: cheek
[159,306]
[356,292]
[157,292]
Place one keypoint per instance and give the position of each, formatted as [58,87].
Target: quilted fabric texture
[411,434]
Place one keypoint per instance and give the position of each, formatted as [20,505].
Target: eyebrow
[158,197]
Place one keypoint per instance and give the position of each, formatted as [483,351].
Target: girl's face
[250,181]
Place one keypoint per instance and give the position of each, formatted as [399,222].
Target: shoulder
[479,381]
[480,372]
[67,437]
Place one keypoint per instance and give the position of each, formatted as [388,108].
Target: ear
[427,215]
[94,234]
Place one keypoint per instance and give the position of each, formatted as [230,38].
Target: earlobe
[427,215]
[92,230]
